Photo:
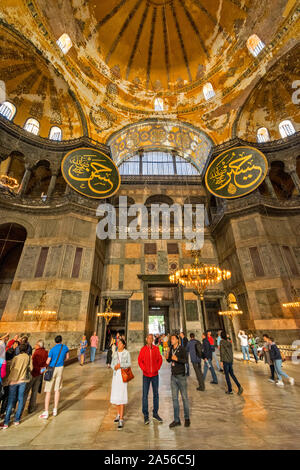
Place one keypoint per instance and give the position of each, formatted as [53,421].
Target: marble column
[296,180]
[5,166]
[51,186]
[25,181]
[270,186]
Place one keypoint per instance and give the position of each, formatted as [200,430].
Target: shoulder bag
[127,374]
[50,371]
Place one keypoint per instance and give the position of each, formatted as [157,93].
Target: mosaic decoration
[236,172]
[91,173]
[150,135]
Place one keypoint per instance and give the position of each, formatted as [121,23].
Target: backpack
[199,350]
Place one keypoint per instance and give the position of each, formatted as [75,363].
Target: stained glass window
[55,133]
[32,125]
[286,128]
[7,110]
[263,135]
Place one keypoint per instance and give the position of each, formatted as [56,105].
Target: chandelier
[232,308]
[8,182]
[40,309]
[295,303]
[108,314]
[200,275]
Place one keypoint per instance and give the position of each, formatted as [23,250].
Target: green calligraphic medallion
[236,172]
[91,173]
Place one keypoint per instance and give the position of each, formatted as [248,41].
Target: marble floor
[264,417]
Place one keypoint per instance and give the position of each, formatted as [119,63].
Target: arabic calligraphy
[236,172]
[91,172]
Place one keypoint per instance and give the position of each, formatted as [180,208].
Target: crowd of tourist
[24,369]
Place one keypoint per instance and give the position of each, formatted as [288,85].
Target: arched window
[208,91]
[7,110]
[32,125]
[55,133]
[255,45]
[263,135]
[64,43]
[157,163]
[286,128]
[158,104]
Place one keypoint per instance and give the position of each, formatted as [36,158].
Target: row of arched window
[8,110]
[286,129]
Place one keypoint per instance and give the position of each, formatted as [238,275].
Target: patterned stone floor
[265,417]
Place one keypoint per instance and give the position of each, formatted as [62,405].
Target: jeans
[212,370]
[245,350]
[254,352]
[146,386]
[214,355]
[179,384]
[34,386]
[199,375]
[228,371]
[272,369]
[278,370]
[93,353]
[16,392]
[187,368]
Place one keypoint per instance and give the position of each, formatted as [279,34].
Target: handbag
[50,371]
[127,374]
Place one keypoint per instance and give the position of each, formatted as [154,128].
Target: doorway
[163,309]
[116,324]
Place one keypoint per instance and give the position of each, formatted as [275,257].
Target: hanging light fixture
[40,309]
[200,275]
[8,182]
[295,302]
[108,314]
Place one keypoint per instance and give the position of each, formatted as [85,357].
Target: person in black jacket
[207,355]
[276,357]
[184,342]
[226,358]
[177,356]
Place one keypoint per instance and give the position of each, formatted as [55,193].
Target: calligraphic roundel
[236,172]
[91,173]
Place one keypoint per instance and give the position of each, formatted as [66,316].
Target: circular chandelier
[200,275]
[295,302]
[108,314]
[230,313]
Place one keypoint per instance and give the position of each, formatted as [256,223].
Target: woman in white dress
[119,396]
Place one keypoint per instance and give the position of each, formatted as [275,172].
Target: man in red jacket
[150,361]
[39,358]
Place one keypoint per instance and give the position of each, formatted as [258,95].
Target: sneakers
[117,419]
[271,380]
[54,412]
[280,383]
[229,392]
[187,423]
[146,420]
[4,426]
[214,383]
[240,391]
[121,424]
[157,418]
[292,381]
[200,389]
[16,423]
[174,424]
[44,415]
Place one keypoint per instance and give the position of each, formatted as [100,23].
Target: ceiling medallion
[200,275]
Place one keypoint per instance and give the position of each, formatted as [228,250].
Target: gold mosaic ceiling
[127,52]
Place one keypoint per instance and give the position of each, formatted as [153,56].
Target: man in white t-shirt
[244,345]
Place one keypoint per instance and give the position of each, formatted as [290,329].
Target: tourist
[12,341]
[267,357]
[184,342]
[194,348]
[253,347]
[94,340]
[226,358]
[177,356]
[214,355]
[3,342]
[82,349]
[24,340]
[10,354]
[111,350]
[207,355]
[165,341]
[56,358]
[244,345]
[119,395]
[277,360]
[17,379]
[39,362]
[150,362]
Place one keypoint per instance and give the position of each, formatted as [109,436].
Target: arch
[208,91]
[262,135]
[8,110]
[39,179]
[55,133]
[286,128]
[255,45]
[158,199]
[282,181]
[12,239]
[32,125]
[64,43]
